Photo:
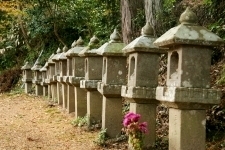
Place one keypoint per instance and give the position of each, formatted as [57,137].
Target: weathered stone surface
[59,93]
[55,57]
[37,74]
[60,79]
[36,67]
[27,80]
[44,76]
[27,77]
[26,66]
[70,98]
[66,79]
[50,80]
[74,51]
[148,114]
[50,59]
[54,78]
[78,66]
[114,70]
[188,32]
[94,106]
[144,43]
[143,69]
[188,81]
[113,76]
[89,84]
[113,47]
[75,80]
[109,90]
[188,95]
[143,78]
[187,129]
[111,116]
[145,93]
[91,49]
[93,68]
[189,66]
[80,102]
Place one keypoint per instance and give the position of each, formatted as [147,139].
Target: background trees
[31,26]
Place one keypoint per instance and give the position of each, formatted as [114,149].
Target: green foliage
[139,19]
[164,23]
[80,121]
[168,4]
[46,25]
[221,80]
[207,2]
[101,139]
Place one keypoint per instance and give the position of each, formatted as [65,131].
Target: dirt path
[29,123]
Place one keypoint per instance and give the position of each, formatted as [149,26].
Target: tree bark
[152,9]
[129,10]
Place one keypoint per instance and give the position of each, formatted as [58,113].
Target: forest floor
[28,122]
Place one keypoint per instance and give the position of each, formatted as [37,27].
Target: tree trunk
[129,11]
[152,9]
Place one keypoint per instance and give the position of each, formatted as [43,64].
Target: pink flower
[132,116]
[143,127]
[126,122]
[131,123]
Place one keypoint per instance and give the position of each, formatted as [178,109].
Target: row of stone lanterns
[92,80]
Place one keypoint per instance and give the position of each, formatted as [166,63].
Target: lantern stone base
[45,90]
[54,92]
[186,124]
[94,106]
[142,101]
[112,108]
[187,114]
[28,87]
[59,93]
[148,114]
[70,98]
[111,116]
[64,95]
[70,95]
[38,90]
[80,102]
[49,92]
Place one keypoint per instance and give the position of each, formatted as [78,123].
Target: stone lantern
[37,78]
[93,69]
[113,77]
[44,85]
[77,75]
[57,87]
[61,85]
[27,77]
[49,80]
[70,88]
[188,92]
[140,90]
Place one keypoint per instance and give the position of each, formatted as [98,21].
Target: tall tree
[131,11]
[152,9]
